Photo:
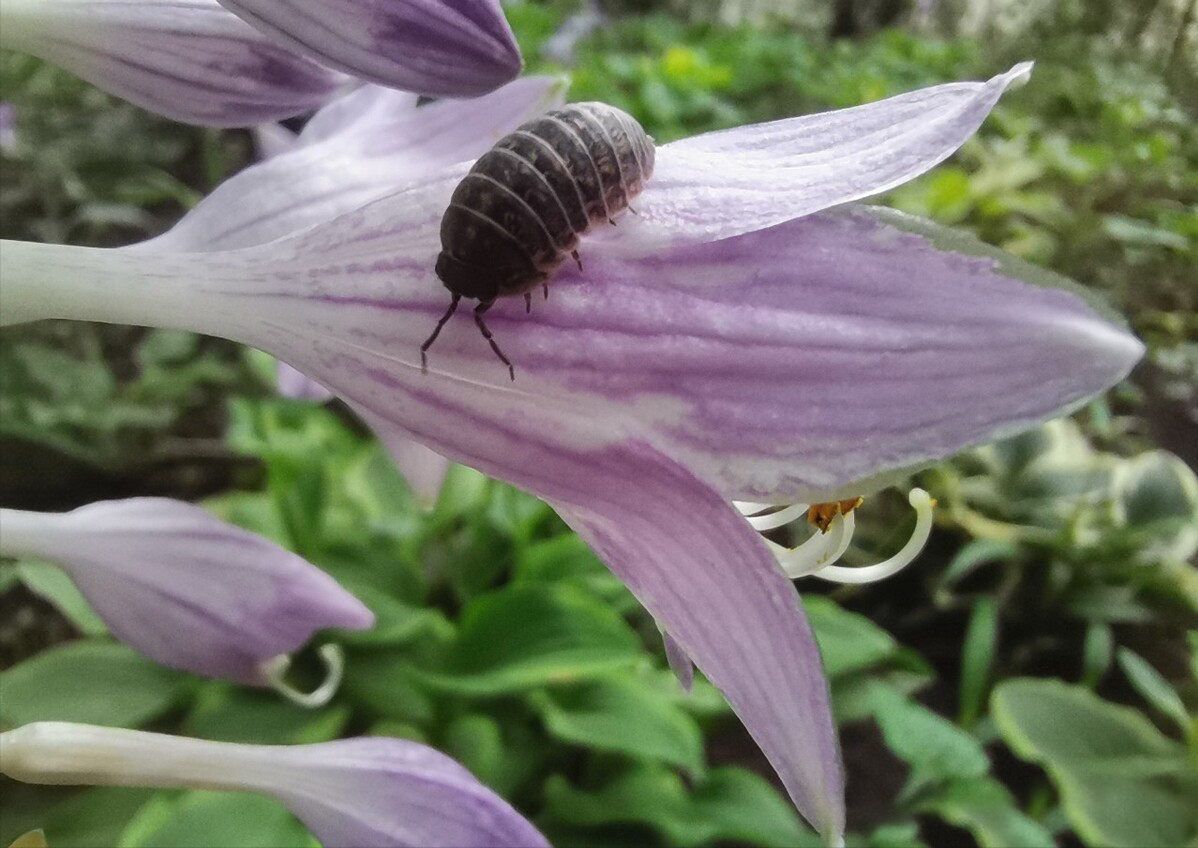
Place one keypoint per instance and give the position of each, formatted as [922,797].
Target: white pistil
[274,669]
[816,556]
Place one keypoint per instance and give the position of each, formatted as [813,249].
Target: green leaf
[985,808]
[744,807]
[1053,722]
[847,641]
[396,623]
[228,819]
[625,716]
[730,805]
[93,682]
[903,835]
[1154,688]
[534,635]
[977,658]
[1128,812]
[385,683]
[1158,496]
[233,714]
[975,553]
[1097,650]
[1122,783]
[933,746]
[566,558]
[83,819]
[476,741]
[52,583]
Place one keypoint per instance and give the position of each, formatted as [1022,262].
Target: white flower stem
[113,286]
[23,533]
[18,18]
[54,752]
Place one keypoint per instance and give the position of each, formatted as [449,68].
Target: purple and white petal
[366,792]
[369,108]
[298,386]
[189,60]
[185,588]
[723,184]
[781,364]
[383,143]
[272,139]
[447,48]
[423,468]
[681,664]
[8,127]
[710,582]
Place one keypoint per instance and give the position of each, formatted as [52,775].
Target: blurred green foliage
[1067,552]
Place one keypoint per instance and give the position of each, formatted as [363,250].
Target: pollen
[821,514]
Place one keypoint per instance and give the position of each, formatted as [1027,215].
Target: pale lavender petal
[367,108]
[379,793]
[189,60]
[785,363]
[453,48]
[351,793]
[680,663]
[382,145]
[723,184]
[8,126]
[423,469]
[184,588]
[299,386]
[711,583]
[271,139]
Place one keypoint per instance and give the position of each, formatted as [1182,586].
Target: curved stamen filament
[922,502]
[815,556]
[772,520]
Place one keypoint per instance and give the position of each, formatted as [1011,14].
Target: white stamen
[922,503]
[274,668]
[814,553]
[751,508]
[815,556]
[779,518]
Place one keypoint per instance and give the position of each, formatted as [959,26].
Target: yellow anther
[821,514]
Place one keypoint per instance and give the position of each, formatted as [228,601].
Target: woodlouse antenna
[453,307]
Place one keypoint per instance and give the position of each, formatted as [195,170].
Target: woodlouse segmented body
[522,209]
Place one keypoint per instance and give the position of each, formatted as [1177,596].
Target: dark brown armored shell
[520,211]
[524,205]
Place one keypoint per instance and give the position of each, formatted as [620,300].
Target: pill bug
[520,211]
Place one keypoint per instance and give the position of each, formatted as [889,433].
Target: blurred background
[1031,680]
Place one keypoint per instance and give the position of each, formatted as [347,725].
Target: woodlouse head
[468,280]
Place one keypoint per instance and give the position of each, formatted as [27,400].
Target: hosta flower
[454,48]
[361,792]
[747,336]
[187,589]
[354,150]
[190,60]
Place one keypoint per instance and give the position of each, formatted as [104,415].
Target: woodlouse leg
[633,211]
[482,328]
[545,288]
[577,259]
[453,307]
[527,302]
[610,221]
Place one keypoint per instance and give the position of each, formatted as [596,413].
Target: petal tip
[1019,74]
